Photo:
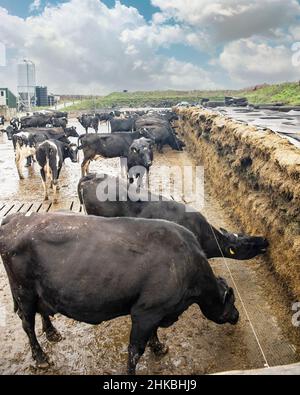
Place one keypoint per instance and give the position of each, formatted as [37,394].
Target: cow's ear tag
[231,251]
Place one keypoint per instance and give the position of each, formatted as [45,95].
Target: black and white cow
[15,123]
[50,156]
[2,119]
[128,203]
[95,269]
[24,149]
[25,142]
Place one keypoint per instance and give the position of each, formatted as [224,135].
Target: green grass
[286,93]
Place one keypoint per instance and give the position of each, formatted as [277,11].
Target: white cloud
[84,46]
[35,5]
[253,62]
[226,20]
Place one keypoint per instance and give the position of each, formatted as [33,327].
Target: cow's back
[93,264]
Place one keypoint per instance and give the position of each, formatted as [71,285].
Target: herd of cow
[143,257]
[45,138]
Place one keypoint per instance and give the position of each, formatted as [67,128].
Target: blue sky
[94,46]
[22,7]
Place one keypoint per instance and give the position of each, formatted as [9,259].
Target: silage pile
[256,175]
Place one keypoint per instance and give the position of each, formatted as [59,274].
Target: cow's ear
[227,294]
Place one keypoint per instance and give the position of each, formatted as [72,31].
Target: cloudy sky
[93,46]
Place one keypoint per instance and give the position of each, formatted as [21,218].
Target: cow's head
[175,143]
[219,307]
[71,132]
[242,247]
[141,152]
[9,131]
[72,152]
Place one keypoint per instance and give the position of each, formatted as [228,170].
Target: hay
[256,176]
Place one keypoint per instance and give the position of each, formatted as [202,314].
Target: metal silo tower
[26,85]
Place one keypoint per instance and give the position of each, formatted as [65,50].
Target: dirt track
[197,346]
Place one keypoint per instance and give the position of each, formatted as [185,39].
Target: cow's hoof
[53,336]
[42,361]
[46,198]
[160,350]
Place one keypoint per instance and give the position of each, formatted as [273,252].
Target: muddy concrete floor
[197,346]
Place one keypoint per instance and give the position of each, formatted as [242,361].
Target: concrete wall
[256,175]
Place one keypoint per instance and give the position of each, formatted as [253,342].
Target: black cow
[59,122]
[2,119]
[114,145]
[58,114]
[51,155]
[104,116]
[144,204]
[94,269]
[88,121]
[35,121]
[28,121]
[164,135]
[10,131]
[122,125]
[161,130]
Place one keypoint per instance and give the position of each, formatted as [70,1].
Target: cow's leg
[85,167]
[57,184]
[29,161]
[158,348]
[44,182]
[28,322]
[51,332]
[54,186]
[18,160]
[141,331]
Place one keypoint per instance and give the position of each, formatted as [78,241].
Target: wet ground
[287,124]
[197,346]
